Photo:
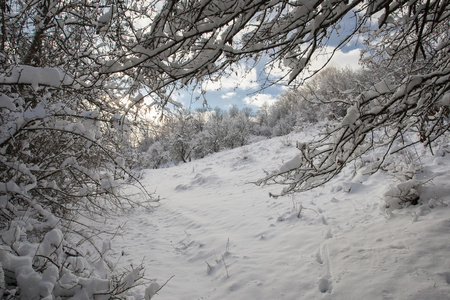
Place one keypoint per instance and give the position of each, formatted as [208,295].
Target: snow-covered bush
[57,166]
[403,194]
[40,262]
[156,156]
[404,168]
[237,128]
[63,127]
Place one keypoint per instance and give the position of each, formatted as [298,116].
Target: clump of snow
[293,163]
[151,290]
[130,279]
[7,102]
[109,183]
[35,76]
[37,112]
[445,100]
[351,116]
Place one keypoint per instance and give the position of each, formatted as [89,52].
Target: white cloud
[275,69]
[340,59]
[240,78]
[260,99]
[228,95]
[344,59]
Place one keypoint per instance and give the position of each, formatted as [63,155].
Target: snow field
[217,236]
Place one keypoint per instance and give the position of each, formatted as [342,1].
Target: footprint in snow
[329,234]
[325,285]
[319,258]
[446,276]
[323,257]
[181,187]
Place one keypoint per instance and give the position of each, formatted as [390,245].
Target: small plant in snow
[244,153]
[404,168]
[286,141]
[210,268]
[403,194]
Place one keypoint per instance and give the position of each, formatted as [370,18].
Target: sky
[243,88]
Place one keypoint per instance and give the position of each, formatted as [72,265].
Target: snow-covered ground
[218,236]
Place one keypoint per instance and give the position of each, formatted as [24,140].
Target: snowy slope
[221,237]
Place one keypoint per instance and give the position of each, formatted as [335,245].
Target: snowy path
[224,239]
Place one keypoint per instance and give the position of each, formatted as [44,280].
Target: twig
[226,267]
[300,211]
[209,267]
[160,288]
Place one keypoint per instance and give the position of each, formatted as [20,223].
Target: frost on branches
[62,127]
[408,55]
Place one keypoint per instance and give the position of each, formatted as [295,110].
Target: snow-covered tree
[408,57]
[182,137]
[324,97]
[332,91]
[236,126]
[63,124]
[214,132]
[262,121]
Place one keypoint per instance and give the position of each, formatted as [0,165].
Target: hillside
[222,237]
